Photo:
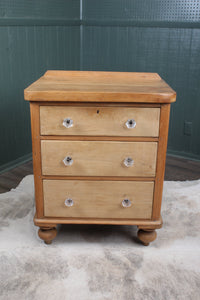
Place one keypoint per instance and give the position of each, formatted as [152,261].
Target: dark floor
[176,169]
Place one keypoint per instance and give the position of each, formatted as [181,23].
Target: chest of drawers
[99,144]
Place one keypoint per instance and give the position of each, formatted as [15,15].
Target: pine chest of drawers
[99,145]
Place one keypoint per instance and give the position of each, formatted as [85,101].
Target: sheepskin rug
[101,262]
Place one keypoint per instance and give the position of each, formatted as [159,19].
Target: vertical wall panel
[118,35]
[142,10]
[26,52]
[151,36]
[37,9]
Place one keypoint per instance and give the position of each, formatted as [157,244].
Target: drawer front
[109,121]
[98,199]
[98,158]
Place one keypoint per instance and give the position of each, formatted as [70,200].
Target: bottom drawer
[98,199]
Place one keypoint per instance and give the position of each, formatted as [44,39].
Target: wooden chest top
[93,86]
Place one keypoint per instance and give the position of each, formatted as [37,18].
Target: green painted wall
[151,36]
[34,36]
[121,35]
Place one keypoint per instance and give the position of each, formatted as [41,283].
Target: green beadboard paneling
[25,54]
[40,9]
[151,36]
[173,53]
[142,10]
[27,50]
[119,35]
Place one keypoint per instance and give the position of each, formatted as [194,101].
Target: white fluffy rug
[101,262]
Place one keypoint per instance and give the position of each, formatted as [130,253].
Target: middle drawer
[98,158]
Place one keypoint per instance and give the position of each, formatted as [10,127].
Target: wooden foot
[146,236]
[47,234]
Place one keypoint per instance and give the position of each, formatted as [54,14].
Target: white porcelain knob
[128,162]
[131,123]
[68,122]
[69,202]
[126,203]
[68,161]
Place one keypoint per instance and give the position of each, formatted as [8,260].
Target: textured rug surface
[101,262]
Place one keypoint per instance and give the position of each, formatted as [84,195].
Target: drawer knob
[131,123]
[69,202]
[68,161]
[128,162]
[126,203]
[68,122]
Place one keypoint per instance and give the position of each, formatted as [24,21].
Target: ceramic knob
[68,161]
[131,123]
[128,162]
[69,202]
[126,203]
[68,122]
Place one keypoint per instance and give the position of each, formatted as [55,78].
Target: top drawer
[106,121]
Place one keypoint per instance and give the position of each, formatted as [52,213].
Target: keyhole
[97,111]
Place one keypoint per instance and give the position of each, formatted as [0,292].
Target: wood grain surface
[52,221]
[93,86]
[106,121]
[36,146]
[98,158]
[98,199]
[161,158]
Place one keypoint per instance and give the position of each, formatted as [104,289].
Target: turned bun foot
[146,236]
[47,234]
